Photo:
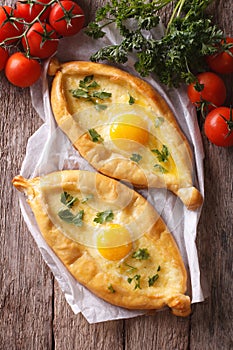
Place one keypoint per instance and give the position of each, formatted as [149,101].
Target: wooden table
[34,313]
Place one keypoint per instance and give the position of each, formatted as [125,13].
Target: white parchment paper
[50,150]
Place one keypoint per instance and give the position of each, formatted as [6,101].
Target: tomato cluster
[208,94]
[34,28]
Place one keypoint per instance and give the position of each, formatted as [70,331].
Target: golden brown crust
[88,267]
[99,155]
[191,197]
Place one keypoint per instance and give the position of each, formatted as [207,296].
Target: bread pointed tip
[191,197]
[180,305]
[54,66]
[20,183]
[24,185]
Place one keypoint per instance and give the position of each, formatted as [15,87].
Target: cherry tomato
[209,91]
[222,61]
[4,55]
[9,28]
[218,126]
[67,18]
[42,40]
[22,71]
[30,9]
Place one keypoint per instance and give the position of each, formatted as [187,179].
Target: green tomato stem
[28,26]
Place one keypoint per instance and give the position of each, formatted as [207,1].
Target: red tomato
[30,9]
[67,18]
[212,91]
[22,71]
[222,61]
[4,55]
[42,40]
[9,28]
[218,127]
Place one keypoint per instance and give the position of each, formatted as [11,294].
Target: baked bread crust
[98,154]
[90,268]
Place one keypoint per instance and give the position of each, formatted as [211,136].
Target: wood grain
[211,322]
[33,311]
[26,283]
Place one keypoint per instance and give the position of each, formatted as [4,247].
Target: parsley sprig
[190,33]
[111,289]
[153,279]
[70,218]
[141,254]
[65,214]
[104,216]
[136,157]
[95,136]
[137,281]
[160,168]
[89,90]
[68,200]
[163,154]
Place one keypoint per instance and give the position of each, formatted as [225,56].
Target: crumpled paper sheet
[50,150]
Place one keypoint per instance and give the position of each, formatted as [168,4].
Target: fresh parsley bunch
[174,58]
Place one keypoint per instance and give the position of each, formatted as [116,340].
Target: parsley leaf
[136,279]
[95,136]
[141,254]
[86,91]
[163,154]
[151,280]
[160,168]
[104,216]
[79,93]
[68,200]
[131,100]
[102,95]
[136,157]
[111,289]
[159,121]
[70,218]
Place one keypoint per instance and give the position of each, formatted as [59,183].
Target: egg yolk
[130,127]
[114,243]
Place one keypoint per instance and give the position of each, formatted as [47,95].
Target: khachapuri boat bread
[122,127]
[109,238]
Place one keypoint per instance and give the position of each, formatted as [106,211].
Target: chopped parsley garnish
[136,279]
[95,136]
[141,254]
[111,289]
[151,280]
[160,168]
[68,200]
[159,121]
[70,218]
[136,157]
[131,100]
[104,216]
[163,154]
[88,89]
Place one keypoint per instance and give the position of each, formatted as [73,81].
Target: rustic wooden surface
[33,312]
